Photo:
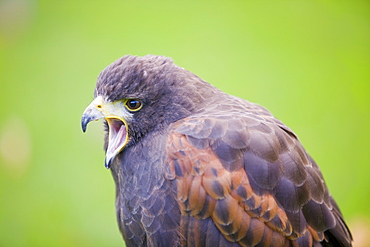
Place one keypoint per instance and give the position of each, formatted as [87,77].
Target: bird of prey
[194,166]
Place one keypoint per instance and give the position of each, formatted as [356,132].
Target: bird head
[138,95]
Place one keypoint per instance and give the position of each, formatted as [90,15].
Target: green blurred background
[306,61]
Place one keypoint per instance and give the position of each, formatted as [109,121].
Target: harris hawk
[194,166]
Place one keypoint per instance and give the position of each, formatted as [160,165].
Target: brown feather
[246,212]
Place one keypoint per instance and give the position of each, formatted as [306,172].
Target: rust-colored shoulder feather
[243,177]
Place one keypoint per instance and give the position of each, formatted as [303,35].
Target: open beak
[114,113]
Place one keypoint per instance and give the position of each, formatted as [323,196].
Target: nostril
[99,106]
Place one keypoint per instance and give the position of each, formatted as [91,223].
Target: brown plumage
[194,166]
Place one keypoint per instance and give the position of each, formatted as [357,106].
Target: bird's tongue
[117,139]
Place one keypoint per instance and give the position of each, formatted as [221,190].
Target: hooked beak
[114,113]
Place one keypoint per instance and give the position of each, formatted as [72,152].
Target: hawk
[194,166]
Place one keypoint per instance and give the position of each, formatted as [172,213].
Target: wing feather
[247,180]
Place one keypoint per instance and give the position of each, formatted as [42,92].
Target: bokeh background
[306,61]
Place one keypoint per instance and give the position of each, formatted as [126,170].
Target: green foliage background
[306,61]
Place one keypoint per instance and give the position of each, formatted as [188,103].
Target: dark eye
[133,104]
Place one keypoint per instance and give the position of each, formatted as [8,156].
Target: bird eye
[133,104]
